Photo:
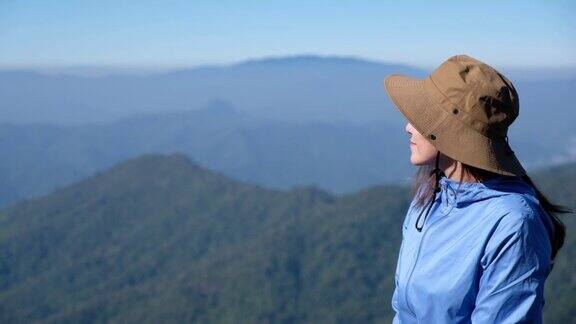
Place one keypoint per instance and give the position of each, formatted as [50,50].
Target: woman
[479,239]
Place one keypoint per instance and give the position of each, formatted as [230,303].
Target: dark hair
[423,187]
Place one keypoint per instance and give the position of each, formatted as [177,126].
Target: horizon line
[159,67]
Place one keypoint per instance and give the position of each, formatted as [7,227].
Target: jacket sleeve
[514,267]
[394,301]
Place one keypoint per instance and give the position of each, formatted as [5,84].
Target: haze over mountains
[158,238]
[278,154]
[298,88]
[279,122]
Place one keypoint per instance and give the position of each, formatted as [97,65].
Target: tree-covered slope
[559,185]
[160,239]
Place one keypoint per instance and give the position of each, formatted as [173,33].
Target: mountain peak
[150,174]
[303,59]
[172,160]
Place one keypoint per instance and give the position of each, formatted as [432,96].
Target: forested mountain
[159,238]
[559,185]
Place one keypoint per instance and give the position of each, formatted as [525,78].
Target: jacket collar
[460,194]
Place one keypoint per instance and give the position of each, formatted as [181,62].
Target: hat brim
[452,136]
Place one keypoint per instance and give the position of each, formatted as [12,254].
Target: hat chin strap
[437,171]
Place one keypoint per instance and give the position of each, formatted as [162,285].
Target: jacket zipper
[425,230]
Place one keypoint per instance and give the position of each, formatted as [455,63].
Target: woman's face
[423,152]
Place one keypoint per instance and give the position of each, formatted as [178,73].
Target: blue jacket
[482,256]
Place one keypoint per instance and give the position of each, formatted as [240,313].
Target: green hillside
[559,184]
[160,239]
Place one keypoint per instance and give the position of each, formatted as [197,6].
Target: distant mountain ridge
[277,121]
[338,157]
[160,238]
[293,88]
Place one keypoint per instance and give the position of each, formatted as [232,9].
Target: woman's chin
[416,161]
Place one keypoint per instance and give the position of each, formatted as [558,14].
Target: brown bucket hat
[464,108]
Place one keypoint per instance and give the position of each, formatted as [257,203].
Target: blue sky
[188,33]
